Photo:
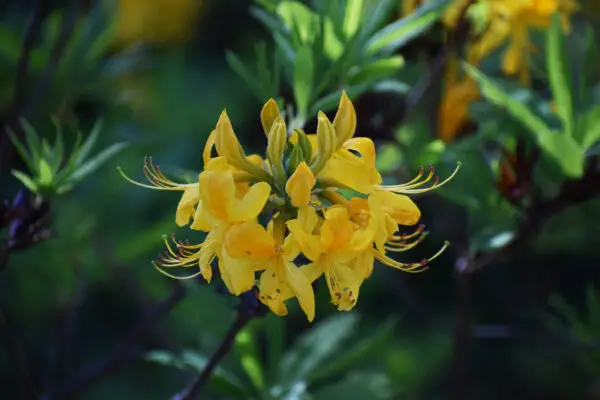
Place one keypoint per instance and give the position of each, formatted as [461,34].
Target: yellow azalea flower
[453,113]
[297,184]
[510,21]
[333,250]
[281,279]
[158,21]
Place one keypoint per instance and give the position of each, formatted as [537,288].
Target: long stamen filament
[413,187]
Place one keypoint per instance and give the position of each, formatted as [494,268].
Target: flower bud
[326,142]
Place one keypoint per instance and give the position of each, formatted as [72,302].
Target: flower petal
[344,122]
[249,240]
[185,208]
[237,273]
[251,204]
[299,185]
[300,285]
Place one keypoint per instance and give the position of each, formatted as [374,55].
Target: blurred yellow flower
[155,21]
[297,187]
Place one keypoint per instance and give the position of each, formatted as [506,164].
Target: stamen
[413,188]
[175,276]
[156,177]
[409,267]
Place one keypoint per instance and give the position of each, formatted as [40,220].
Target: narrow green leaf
[400,32]
[298,18]
[86,148]
[588,128]
[330,101]
[303,79]
[97,161]
[247,351]
[22,150]
[46,175]
[359,351]
[352,16]
[316,346]
[57,151]
[558,70]
[565,151]
[496,95]
[71,162]
[32,139]
[377,69]
[25,180]
[238,66]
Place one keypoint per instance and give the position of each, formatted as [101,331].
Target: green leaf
[46,175]
[238,66]
[86,148]
[274,334]
[565,151]
[246,349]
[496,95]
[57,151]
[357,386]
[223,380]
[298,18]
[558,70]
[377,69]
[588,128]
[25,180]
[33,141]
[333,46]
[352,17]
[316,346]
[22,151]
[303,79]
[331,100]
[358,351]
[97,161]
[400,32]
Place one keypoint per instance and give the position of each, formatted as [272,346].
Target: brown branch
[19,359]
[193,389]
[122,353]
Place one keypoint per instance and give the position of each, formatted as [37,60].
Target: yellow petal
[400,207]
[301,232]
[250,240]
[268,115]
[344,122]
[251,204]
[300,285]
[208,147]
[217,191]
[185,208]
[337,229]
[237,273]
[299,185]
[202,219]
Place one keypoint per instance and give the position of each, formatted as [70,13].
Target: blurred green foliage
[72,298]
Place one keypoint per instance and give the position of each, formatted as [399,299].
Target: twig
[122,352]
[192,390]
[19,358]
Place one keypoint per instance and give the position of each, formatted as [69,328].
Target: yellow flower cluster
[496,23]
[260,213]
